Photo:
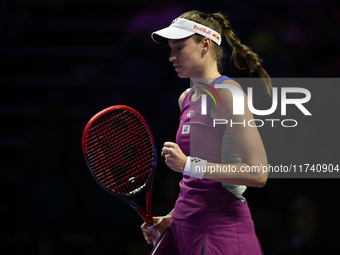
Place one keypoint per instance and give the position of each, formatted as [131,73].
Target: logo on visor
[174,21]
[202,29]
[216,36]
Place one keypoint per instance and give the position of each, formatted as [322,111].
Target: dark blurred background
[64,60]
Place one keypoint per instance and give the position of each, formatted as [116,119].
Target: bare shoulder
[181,98]
[233,83]
[226,93]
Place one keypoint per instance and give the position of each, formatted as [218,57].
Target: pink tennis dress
[209,217]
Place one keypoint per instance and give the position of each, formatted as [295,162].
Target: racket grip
[154,232]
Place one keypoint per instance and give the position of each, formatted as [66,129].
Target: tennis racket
[120,152]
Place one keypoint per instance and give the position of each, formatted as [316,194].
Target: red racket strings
[120,151]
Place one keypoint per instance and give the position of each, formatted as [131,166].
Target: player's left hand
[174,157]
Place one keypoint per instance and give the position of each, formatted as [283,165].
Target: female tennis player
[211,215]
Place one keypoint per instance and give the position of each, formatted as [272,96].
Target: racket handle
[154,232]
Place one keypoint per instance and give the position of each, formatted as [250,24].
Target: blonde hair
[220,24]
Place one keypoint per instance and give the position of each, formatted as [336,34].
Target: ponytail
[241,50]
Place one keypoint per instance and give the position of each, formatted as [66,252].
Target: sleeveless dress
[209,217]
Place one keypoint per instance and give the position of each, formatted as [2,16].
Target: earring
[203,53]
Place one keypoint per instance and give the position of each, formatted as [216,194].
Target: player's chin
[182,75]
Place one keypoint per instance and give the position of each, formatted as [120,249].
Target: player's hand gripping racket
[120,152]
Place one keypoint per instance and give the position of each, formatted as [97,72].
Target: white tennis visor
[182,28]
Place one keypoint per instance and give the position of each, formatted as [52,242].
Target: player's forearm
[238,174]
[170,213]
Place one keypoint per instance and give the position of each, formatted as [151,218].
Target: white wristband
[195,167]
[187,167]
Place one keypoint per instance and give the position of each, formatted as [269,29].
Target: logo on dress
[186,129]
[189,113]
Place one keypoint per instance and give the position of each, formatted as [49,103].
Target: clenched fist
[174,157]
